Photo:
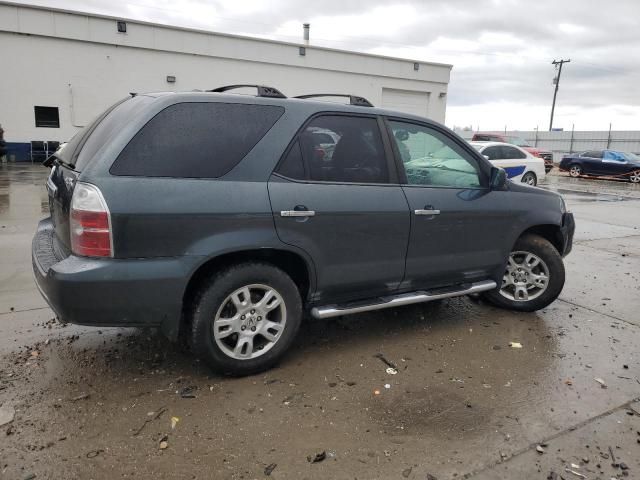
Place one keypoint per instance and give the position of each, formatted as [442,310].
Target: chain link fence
[565,142]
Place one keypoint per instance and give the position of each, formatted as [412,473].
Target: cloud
[501,49]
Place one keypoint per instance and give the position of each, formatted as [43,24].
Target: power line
[556,80]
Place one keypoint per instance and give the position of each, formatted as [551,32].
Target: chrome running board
[400,300]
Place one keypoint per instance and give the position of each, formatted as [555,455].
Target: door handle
[297,213]
[427,212]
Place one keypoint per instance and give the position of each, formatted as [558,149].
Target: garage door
[406,101]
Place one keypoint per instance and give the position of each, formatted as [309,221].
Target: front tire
[530,179]
[635,176]
[245,318]
[534,276]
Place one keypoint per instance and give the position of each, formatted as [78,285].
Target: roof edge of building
[220,34]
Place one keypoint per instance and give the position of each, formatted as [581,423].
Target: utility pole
[556,80]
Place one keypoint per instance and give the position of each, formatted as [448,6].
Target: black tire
[209,300]
[575,170]
[529,175]
[543,249]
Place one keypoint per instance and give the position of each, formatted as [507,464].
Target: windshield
[632,156]
[519,141]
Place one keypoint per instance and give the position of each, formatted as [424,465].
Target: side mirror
[498,178]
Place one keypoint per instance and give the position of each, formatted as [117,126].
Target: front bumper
[568,229]
[108,291]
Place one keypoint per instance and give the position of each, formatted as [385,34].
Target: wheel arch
[550,232]
[292,263]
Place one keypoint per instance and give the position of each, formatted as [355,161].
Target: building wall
[81,64]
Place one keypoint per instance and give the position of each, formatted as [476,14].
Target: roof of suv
[309,106]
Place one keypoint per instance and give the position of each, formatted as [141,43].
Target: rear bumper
[568,229]
[110,292]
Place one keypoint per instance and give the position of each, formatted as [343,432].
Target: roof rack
[263,91]
[353,99]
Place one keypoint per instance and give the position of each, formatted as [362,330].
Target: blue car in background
[603,163]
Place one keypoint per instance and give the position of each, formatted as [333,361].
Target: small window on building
[122,27]
[47,117]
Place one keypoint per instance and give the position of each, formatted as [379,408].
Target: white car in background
[519,164]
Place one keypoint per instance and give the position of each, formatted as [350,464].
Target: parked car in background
[519,164]
[224,218]
[612,163]
[546,155]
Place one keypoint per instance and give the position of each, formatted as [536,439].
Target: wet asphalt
[98,403]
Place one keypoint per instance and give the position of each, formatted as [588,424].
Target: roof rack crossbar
[353,99]
[263,91]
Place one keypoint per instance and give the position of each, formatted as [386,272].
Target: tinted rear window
[102,132]
[196,140]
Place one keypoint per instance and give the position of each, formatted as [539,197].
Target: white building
[61,68]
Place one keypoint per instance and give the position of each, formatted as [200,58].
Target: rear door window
[511,153]
[338,149]
[494,153]
[196,140]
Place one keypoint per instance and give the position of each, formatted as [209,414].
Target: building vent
[122,27]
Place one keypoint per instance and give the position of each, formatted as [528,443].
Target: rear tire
[634,177]
[534,276]
[575,170]
[530,179]
[245,318]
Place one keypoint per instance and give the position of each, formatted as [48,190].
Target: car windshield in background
[632,156]
[520,142]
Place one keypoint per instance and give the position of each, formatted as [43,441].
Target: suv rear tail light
[90,222]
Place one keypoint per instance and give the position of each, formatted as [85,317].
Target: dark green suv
[226,217]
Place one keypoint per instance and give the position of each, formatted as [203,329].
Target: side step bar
[399,300]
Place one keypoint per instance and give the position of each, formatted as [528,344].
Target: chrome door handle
[427,212]
[297,213]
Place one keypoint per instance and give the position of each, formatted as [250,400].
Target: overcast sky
[501,50]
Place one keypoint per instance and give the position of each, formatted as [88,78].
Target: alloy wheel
[526,277]
[635,176]
[250,321]
[529,178]
[575,171]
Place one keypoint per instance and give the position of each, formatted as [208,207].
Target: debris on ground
[270,468]
[573,472]
[601,382]
[82,396]
[318,457]
[376,392]
[174,422]
[164,442]
[94,453]
[431,477]
[391,371]
[188,392]
[387,386]
[406,472]
[149,420]
[7,413]
[568,381]
[540,449]
[383,359]
[515,344]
